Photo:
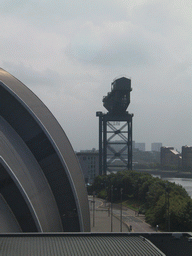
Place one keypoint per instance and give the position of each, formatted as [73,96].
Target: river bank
[166,173]
[182,178]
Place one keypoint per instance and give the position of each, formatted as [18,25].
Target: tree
[165,204]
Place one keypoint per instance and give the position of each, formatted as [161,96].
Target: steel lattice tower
[115,129]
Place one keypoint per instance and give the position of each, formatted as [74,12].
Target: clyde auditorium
[41,185]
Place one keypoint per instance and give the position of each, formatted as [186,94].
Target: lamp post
[168,212]
[167,206]
[93,208]
[112,208]
[121,191]
[106,193]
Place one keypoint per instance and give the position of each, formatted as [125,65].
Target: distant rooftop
[93,150]
[175,152]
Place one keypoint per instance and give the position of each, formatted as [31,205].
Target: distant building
[89,162]
[140,146]
[145,159]
[170,158]
[156,146]
[142,158]
[186,157]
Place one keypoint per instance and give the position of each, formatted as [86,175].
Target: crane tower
[115,129]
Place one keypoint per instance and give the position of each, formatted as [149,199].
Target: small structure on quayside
[115,129]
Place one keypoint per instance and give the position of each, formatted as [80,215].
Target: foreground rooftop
[96,244]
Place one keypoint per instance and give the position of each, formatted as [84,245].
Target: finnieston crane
[111,150]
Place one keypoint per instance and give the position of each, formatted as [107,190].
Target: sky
[69,52]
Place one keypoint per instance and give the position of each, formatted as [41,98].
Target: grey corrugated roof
[76,244]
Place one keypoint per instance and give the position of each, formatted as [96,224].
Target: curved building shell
[41,184]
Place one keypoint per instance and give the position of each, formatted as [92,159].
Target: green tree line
[165,204]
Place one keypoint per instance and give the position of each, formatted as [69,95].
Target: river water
[184,182]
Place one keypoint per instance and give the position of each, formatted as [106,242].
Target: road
[103,210]
[137,223]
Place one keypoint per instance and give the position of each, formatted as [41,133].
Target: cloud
[33,77]
[49,84]
[69,52]
[46,13]
[155,17]
[116,44]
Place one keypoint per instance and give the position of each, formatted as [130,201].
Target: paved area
[102,221]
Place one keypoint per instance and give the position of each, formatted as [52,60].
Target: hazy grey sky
[68,53]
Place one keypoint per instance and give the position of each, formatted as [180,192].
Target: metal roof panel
[76,244]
